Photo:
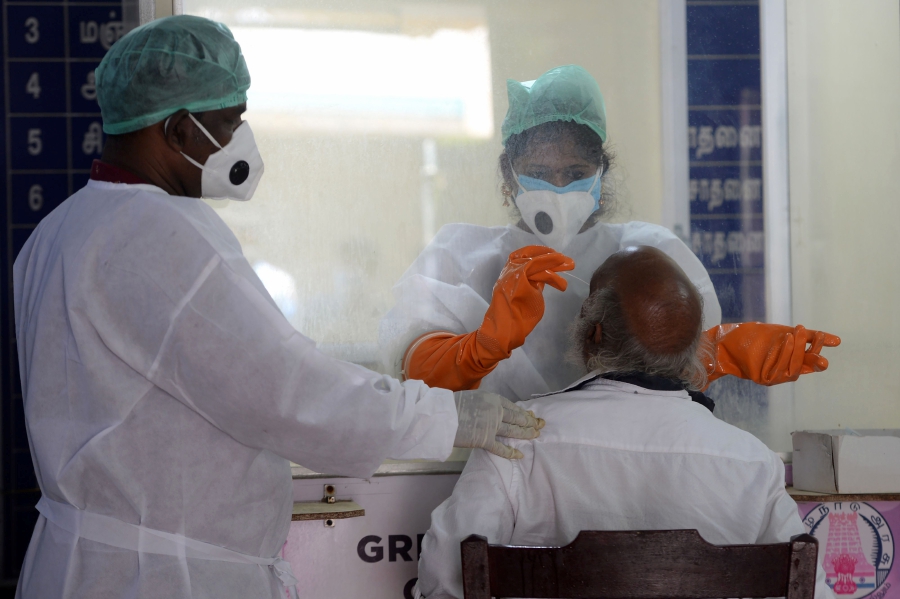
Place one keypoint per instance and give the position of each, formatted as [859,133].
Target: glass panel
[376,122]
[380,122]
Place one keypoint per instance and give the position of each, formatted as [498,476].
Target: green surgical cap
[566,93]
[166,65]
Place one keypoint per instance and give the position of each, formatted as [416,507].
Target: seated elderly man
[624,448]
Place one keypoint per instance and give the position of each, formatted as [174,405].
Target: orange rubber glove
[459,362]
[767,354]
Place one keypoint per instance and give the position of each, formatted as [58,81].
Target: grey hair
[621,351]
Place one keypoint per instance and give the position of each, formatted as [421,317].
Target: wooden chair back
[640,565]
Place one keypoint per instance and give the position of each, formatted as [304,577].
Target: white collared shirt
[614,456]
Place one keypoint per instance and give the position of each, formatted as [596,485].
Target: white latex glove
[484,416]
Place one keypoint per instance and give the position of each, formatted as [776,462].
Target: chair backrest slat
[640,565]
[804,557]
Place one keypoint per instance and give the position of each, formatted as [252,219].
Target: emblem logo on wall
[856,547]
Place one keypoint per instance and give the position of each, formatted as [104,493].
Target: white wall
[844,126]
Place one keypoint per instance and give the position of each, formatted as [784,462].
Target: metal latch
[328,509]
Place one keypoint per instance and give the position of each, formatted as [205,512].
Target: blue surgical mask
[532,184]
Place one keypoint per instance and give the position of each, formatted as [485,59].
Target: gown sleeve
[639,233]
[166,302]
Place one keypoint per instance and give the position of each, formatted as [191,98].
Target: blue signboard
[725,146]
[726,177]
[52,132]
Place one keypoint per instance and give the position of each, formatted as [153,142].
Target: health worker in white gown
[164,392]
[487,307]
[554,164]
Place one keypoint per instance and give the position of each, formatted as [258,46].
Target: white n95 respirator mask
[556,214]
[234,171]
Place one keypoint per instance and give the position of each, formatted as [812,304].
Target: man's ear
[178,128]
[597,337]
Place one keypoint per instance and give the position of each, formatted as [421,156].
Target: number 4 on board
[33,86]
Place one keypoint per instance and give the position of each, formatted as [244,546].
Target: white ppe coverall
[614,456]
[448,288]
[164,395]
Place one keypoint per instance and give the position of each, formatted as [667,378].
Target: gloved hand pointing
[458,362]
[484,416]
[767,354]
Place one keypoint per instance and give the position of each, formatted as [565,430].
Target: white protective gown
[449,288]
[164,389]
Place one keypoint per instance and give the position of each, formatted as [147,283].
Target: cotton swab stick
[571,276]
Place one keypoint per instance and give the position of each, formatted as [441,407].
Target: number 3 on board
[33,34]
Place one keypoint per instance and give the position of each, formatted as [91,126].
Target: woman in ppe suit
[164,392]
[472,311]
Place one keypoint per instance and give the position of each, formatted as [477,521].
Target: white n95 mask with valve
[233,172]
[556,214]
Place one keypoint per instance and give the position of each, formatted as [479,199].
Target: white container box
[847,461]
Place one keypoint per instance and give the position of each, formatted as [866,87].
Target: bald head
[643,315]
[661,306]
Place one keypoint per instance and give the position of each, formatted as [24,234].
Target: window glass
[380,121]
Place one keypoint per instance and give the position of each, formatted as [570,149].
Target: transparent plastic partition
[376,123]
[379,122]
